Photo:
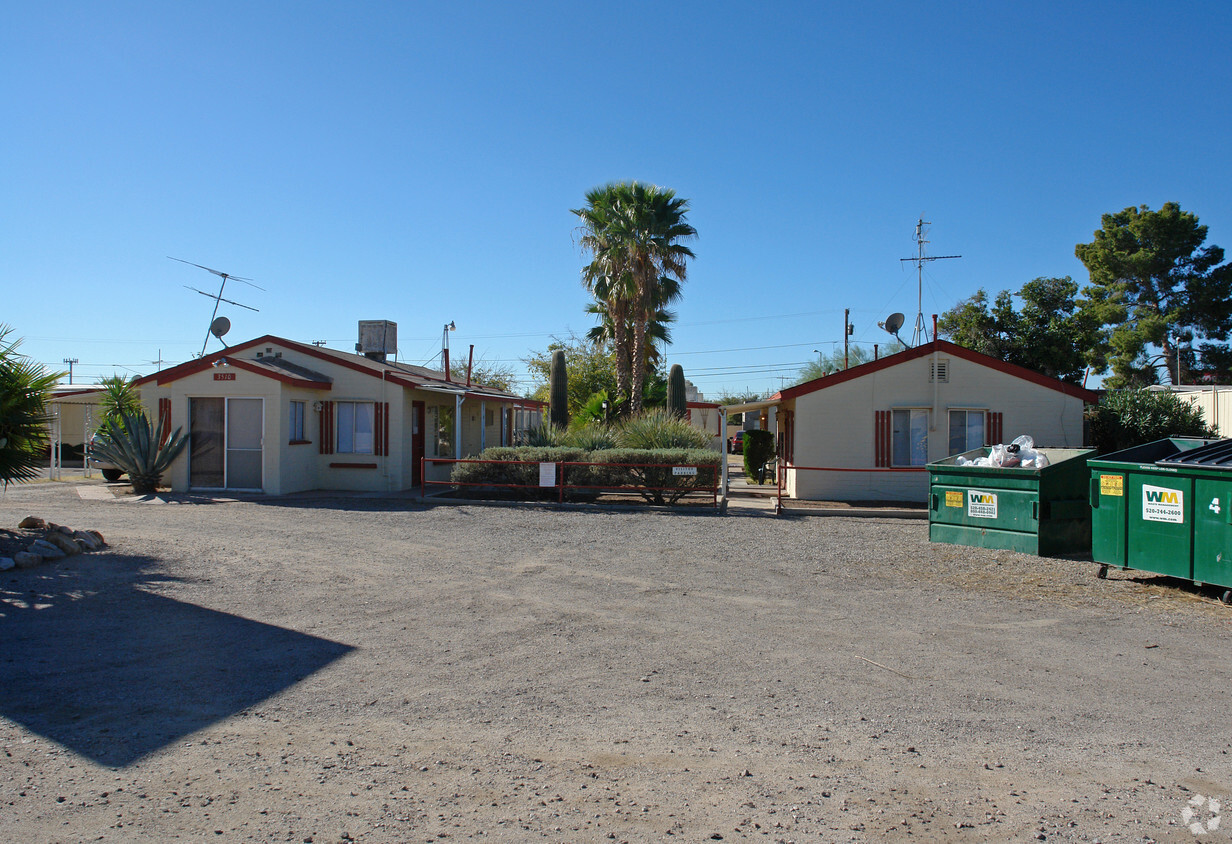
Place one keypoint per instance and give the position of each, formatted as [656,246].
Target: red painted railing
[560,472]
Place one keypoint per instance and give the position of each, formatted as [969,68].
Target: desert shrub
[758,449]
[545,435]
[659,428]
[1126,418]
[591,437]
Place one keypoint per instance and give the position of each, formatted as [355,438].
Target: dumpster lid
[1215,455]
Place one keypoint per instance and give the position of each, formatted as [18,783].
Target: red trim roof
[1088,396]
[351,361]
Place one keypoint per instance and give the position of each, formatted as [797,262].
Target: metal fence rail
[559,471]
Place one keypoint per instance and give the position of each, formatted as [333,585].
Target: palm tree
[635,233]
[657,330]
[24,387]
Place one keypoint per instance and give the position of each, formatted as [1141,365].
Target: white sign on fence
[684,470]
[547,474]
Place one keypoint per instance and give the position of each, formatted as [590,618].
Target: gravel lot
[324,670]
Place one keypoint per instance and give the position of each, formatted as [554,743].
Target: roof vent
[377,339]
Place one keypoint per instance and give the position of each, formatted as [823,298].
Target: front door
[417,442]
[225,443]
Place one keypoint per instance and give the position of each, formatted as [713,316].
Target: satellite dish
[220,326]
[894,322]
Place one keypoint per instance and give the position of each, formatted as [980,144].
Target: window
[355,423]
[444,431]
[966,430]
[911,437]
[489,418]
[297,422]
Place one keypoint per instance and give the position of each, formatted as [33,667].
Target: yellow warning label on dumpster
[953,498]
[1111,485]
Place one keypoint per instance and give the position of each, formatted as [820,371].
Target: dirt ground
[326,669]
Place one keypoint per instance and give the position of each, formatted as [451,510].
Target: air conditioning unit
[377,338]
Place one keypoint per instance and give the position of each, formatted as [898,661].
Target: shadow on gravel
[94,662]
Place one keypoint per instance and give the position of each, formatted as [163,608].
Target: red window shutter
[385,447]
[327,428]
[992,428]
[378,424]
[883,436]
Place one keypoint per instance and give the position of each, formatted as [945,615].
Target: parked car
[735,445]
[111,472]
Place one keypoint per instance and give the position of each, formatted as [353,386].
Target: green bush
[758,449]
[659,428]
[586,482]
[1126,418]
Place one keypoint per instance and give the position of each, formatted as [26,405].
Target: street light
[449,326]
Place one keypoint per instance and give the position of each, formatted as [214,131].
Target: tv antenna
[215,321]
[920,331]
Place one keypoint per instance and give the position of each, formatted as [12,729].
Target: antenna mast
[221,288]
[920,331]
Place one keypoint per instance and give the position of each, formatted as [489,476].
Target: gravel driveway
[350,669]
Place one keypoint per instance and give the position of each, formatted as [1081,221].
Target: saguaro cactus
[558,383]
[677,403]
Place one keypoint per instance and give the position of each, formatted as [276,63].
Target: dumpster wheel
[1226,597]
[1102,574]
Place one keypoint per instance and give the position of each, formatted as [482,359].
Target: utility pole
[921,330]
[847,330]
[70,362]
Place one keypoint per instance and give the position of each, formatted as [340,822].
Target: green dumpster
[1036,511]
[1166,508]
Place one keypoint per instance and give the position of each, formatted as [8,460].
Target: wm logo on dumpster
[981,505]
[1160,504]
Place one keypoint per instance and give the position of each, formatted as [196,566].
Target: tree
[486,374]
[1052,333]
[24,389]
[1155,286]
[635,233]
[833,362]
[1126,418]
[590,368]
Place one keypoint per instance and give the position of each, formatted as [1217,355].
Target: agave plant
[591,437]
[128,443]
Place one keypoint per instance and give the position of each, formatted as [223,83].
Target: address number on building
[224,376]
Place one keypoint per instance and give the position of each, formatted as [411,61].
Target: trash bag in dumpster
[1020,453]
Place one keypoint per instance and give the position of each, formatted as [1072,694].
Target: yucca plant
[660,428]
[120,397]
[24,388]
[128,443]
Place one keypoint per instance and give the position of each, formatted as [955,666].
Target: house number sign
[224,376]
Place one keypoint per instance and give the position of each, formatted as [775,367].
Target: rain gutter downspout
[936,379]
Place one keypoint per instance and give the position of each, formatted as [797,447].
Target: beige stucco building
[279,416]
[866,433]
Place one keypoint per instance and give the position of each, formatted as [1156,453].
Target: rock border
[56,543]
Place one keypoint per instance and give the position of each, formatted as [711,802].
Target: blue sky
[418,162]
